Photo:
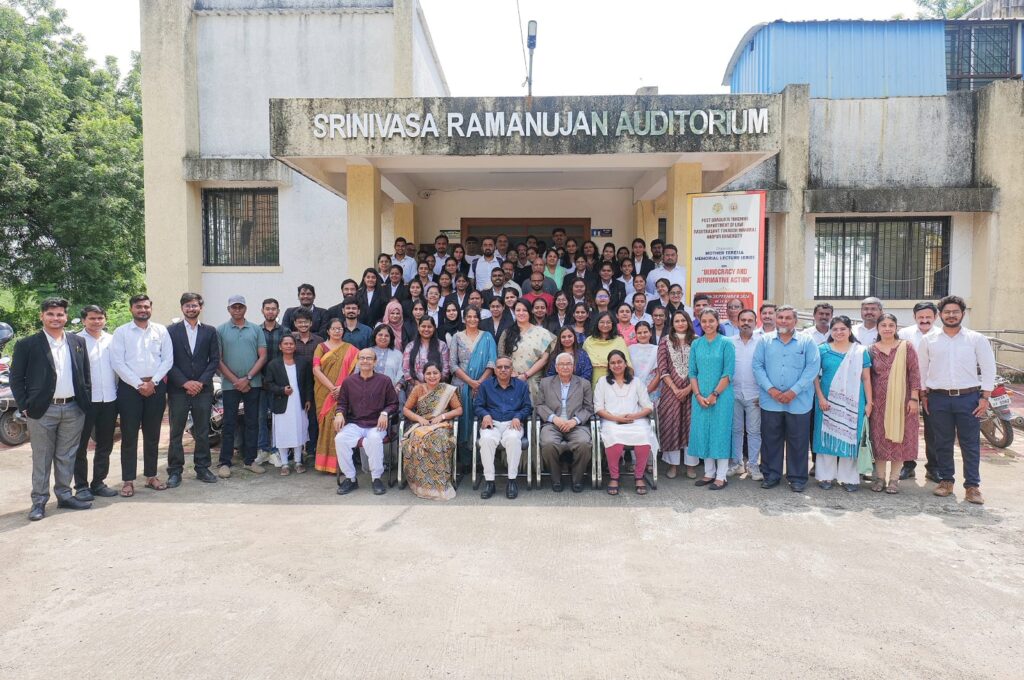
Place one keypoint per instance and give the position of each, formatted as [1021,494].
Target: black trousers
[138,412]
[179,405]
[100,418]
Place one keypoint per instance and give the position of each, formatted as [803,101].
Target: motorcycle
[217,418]
[997,425]
[13,427]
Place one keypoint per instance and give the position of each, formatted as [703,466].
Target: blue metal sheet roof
[842,59]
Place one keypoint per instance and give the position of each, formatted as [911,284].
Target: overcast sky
[583,46]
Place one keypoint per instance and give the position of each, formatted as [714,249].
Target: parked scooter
[997,425]
[13,427]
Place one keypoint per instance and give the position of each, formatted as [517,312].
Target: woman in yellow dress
[603,339]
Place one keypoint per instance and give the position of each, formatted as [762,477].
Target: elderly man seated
[503,402]
[566,406]
[365,402]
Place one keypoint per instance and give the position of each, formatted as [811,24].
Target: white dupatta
[839,422]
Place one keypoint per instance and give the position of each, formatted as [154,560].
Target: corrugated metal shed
[842,59]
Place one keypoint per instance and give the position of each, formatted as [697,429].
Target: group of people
[496,335]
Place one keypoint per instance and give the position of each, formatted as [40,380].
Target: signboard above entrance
[507,126]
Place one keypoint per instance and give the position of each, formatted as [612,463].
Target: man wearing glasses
[504,404]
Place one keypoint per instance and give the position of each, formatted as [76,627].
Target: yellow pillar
[683,179]
[404,221]
[364,208]
[645,222]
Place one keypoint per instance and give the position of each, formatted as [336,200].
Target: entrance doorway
[518,228]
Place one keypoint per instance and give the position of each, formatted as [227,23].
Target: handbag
[865,456]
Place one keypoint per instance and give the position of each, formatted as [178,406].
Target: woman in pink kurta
[883,355]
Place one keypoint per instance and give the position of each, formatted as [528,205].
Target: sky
[584,47]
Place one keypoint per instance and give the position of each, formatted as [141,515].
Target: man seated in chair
[565,408]
[503,402]
[366,401]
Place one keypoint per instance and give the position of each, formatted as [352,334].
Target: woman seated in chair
[428,442]
[623,405]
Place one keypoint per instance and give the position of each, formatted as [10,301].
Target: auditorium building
[291,141]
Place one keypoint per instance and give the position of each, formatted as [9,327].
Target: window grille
[978,53]
[240,227]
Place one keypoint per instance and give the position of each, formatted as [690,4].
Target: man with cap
[243,348]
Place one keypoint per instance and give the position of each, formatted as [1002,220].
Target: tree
[71,191]
[945,9]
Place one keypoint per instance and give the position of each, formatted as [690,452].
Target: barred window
[893,259]
[979,52]
[240,227]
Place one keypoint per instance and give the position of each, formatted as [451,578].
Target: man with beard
[243,353]
[141,354]
[866,332]
[485,264]
[746,411]
[307,296]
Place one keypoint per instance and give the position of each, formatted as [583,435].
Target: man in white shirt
[408,264]
[823,312]
[501,247]
[954,397]
[746,410]
[925,314]
[668,269]
[101,417]
[866,332]
[141,354]
[440,253]
[485,264]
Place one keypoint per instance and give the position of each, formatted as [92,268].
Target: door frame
[467,223]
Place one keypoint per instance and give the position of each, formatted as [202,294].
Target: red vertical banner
[727,248]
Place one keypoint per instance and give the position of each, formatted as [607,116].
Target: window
[240,227]
[893,259]
[979,52]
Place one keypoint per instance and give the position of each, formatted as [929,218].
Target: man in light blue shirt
[785,365]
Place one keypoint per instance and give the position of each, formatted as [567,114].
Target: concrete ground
[271,577]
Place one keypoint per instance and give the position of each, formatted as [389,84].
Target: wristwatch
[714,394]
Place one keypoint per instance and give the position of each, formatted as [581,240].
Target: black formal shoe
[72,503]
[512,490]
[812,472]
[770,484]
[488,490]
[378,488]
[556,487]
[174,480]
[37,512]
[932,477]
[347,486]
[577,487]
[103,491]
[797,487]
[85,495]
[908,473]
[204,475]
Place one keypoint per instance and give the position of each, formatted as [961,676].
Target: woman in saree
[428,442]
[333,361]
[472,354]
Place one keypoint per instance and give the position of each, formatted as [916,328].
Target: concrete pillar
[404,221]
[404,13]
[790,236]
[170,132]
[364,213]
[645,222]
[998,285]
[682,179]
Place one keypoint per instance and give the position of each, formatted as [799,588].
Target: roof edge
[744,41]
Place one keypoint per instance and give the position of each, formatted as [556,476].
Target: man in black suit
[307,296]
[616,289]
[190,389]
[642,264]
[52,385]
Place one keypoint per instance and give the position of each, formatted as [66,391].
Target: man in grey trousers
[52,386]
[565,409]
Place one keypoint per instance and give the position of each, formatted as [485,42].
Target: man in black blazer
[52,385]
[307,296]
[190,389]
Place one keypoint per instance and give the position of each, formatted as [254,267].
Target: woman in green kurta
[712,363]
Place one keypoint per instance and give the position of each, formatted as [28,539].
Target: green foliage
[71,190]
[945,9]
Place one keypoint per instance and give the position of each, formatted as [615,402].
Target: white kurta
[291,428]
[620,400]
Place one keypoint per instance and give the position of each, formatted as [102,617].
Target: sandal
[155,484]
[285,471]
[878,485]
[893,487]
[613,490]
[641,487]
[128,489]
[299,468]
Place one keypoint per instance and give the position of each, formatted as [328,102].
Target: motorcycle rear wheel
[12,432]
[998,432]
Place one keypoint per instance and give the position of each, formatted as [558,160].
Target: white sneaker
[734,470]
[262,457]
[275,459]
[755,473]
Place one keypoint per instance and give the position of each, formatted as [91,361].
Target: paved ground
[270,577]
